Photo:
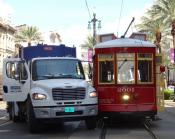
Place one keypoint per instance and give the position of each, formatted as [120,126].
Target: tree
[157,21]
[28,34]
[55,37]
[165,10]
[88,42]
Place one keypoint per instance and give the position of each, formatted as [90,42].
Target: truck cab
[48,89]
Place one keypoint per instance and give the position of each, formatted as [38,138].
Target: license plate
[69,109]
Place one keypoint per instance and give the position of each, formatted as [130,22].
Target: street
[162,128]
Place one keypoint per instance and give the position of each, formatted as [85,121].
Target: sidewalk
[3,111]
[169,103]
[2,105]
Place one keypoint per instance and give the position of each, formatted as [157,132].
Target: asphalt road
[163,128]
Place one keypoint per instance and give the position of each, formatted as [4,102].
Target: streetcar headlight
[38,96]
[93,94]
[126,97]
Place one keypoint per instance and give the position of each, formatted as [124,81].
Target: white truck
[46,86]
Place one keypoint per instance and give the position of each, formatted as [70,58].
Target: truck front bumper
[66,112]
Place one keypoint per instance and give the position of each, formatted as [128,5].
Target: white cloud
[5,10]
[74,35]
[112,27]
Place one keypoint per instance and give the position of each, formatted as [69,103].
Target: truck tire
[32,122]
[11,109]
[90,123]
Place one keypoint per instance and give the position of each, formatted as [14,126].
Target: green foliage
[28,34]
[88,43]
[167,94]
[159,19]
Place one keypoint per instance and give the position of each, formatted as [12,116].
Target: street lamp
[173,34]
[94,20]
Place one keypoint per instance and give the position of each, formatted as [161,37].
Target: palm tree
[159,17]
[165,9]
[28,34]
[158,22]
[152,26]
[88,42]
[55,37]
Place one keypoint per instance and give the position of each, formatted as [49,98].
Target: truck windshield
[57,69]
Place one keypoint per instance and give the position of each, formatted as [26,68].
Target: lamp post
[93,21]
[173,34]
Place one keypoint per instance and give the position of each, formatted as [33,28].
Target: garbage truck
[47,84]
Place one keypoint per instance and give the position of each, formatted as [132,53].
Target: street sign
[90,54]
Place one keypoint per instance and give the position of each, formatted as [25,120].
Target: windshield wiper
[64,76]
[49,76]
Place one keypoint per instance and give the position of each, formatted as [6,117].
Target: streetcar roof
[125,42]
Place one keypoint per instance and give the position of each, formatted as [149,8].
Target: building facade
[7,44]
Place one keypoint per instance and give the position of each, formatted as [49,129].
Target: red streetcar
[127,77]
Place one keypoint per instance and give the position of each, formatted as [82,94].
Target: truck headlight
[38,96]
[93,94]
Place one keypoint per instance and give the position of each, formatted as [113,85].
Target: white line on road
[4,118]
[6,123]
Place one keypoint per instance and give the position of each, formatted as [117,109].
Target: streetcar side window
[145,68]
[106,68]
[125,68]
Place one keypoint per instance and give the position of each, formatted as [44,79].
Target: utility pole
[93,21]
[173,34]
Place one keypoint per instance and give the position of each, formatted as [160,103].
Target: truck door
[16,79]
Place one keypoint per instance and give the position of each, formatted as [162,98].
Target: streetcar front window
[125,68]
[106,68]
[145,66]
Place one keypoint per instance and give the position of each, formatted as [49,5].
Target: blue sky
[70,17]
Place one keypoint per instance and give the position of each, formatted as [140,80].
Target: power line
[121,8]
[88,9]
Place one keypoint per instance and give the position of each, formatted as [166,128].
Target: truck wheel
[32,123]
[90,123]
[12,116]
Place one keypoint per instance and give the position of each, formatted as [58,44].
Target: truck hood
[63,83]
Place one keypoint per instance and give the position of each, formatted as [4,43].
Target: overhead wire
[88,9]
[121,8]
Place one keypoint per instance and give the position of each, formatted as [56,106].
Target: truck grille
[68,94]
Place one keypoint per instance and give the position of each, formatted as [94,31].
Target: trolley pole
[93,21]
[173,34]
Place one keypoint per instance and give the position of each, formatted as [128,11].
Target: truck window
[23,72]
[10,70]
[57,68]
[16,68]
